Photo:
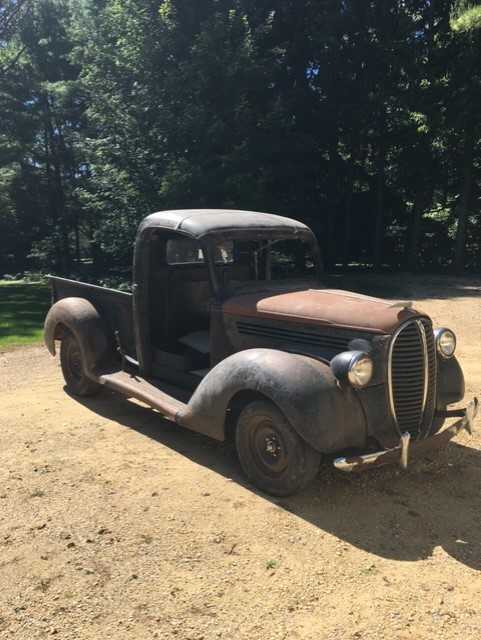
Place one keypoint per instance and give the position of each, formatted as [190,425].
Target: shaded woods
[360,118]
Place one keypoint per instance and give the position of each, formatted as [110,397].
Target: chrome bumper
[407,449]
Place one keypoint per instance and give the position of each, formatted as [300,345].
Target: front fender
[450,382]
[79,317]
[324,415]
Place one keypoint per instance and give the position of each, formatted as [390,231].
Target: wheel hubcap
[272,446]
[268,447]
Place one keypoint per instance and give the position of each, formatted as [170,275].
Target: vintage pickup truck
[229,331]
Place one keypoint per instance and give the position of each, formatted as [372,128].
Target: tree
[12,12]
[42,107]
[359,118]
[466,24]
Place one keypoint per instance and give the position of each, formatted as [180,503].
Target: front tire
[71,362]
[272,455]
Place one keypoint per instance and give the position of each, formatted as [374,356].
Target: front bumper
[407,449]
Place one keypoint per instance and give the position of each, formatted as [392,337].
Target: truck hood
[321,307]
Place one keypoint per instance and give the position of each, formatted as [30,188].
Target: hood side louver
[310,338]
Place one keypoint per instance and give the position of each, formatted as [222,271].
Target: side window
[184,251]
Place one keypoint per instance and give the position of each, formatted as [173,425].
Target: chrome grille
[412,376]
[430,407]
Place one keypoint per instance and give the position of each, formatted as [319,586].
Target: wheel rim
[267,446]
[75,361]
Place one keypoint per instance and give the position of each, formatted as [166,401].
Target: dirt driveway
[114,524]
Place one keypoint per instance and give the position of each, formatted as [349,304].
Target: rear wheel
[71,362]
[272,455]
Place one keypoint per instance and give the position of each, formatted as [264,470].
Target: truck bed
[114,306]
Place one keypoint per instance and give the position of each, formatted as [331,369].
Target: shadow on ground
[387,512]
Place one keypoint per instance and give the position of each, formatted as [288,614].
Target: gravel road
[116,524]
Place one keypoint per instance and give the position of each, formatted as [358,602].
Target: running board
[133,386]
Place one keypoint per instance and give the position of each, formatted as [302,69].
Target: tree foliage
[361,118]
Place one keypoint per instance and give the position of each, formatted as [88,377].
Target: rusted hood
[321,307]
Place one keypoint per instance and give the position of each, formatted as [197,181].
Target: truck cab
[230,331]
[188,268]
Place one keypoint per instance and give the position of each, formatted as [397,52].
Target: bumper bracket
[407,449]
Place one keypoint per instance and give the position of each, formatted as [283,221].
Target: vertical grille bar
[430,407]
[411,376]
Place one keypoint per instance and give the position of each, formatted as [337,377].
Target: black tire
[71,362]
[438,421]
[274,458]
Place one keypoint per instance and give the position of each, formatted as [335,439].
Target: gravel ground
[116,524]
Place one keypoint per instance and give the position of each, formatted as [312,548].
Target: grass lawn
[23,306]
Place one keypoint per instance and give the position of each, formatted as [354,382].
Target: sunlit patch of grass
[23,306]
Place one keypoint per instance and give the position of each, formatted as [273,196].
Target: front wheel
[272,455]
[71,362]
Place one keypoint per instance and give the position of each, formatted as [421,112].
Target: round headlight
[445,343]
[360,371]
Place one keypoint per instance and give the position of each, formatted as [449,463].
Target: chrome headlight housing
[354,367]
[445,342]
[360,371]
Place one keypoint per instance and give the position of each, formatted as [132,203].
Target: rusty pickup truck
[230,331]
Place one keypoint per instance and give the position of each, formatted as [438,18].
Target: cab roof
[201,222]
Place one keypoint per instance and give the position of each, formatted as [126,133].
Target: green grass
[23,306]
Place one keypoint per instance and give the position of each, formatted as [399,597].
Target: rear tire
[272,455]
[72,368]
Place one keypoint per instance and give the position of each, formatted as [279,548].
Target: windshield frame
[210,242]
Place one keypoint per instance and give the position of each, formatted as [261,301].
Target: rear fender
[79,317]
[324,415]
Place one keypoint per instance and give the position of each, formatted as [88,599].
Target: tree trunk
[415,234]
[51,198]
[379,228]
[77,239]
[333,206]
[329,243]
[463,208]
[346,240]
[56,188]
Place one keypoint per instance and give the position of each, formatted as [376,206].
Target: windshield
[241,262]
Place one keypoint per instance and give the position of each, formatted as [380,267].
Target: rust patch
[321,307]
